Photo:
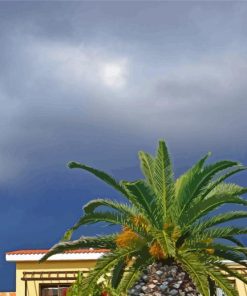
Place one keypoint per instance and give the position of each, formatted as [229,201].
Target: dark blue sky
[98,81]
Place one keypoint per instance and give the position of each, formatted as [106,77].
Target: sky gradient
[97,82]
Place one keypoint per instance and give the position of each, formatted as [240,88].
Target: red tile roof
[79,251]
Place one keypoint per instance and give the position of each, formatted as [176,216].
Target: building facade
[53,277]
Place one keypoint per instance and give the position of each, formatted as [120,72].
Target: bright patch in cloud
[114,74]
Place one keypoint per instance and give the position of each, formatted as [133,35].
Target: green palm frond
[222,282]
[234,240]
[165,242]
[242,251]
[231,272]
[217,264]
[221,218]
[206,206]
[104,265]
[126,209]
[201,180]
[130,277]
[144,198]
[75,289]
[107,241]
[227,233]
[209,171]
[118,272]
[234,170]
[163,177]
[112,218]
[227,189]
[237,254]
[230,256]
[187,183]
[222,189]
[147,166]
[198,272]
[98,173]
[221,232]
[134,271]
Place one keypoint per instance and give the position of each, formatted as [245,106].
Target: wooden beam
[49,279]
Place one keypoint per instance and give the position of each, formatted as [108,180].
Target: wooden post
[25,288]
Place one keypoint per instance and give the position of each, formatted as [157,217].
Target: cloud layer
[56,93]
[97,82]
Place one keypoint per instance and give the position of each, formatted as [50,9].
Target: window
[54,290]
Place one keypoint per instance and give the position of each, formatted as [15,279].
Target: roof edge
[36,255]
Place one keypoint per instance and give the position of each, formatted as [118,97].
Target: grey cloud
[54,106]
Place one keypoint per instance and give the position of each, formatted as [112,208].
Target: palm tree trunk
[162,279]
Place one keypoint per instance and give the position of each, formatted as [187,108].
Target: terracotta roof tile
[34,252]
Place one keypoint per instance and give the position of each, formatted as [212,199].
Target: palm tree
[169,229]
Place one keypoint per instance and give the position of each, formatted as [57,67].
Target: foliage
[75,290]
[102,288]
[166,219]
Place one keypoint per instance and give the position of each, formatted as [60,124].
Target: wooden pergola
[49,276]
